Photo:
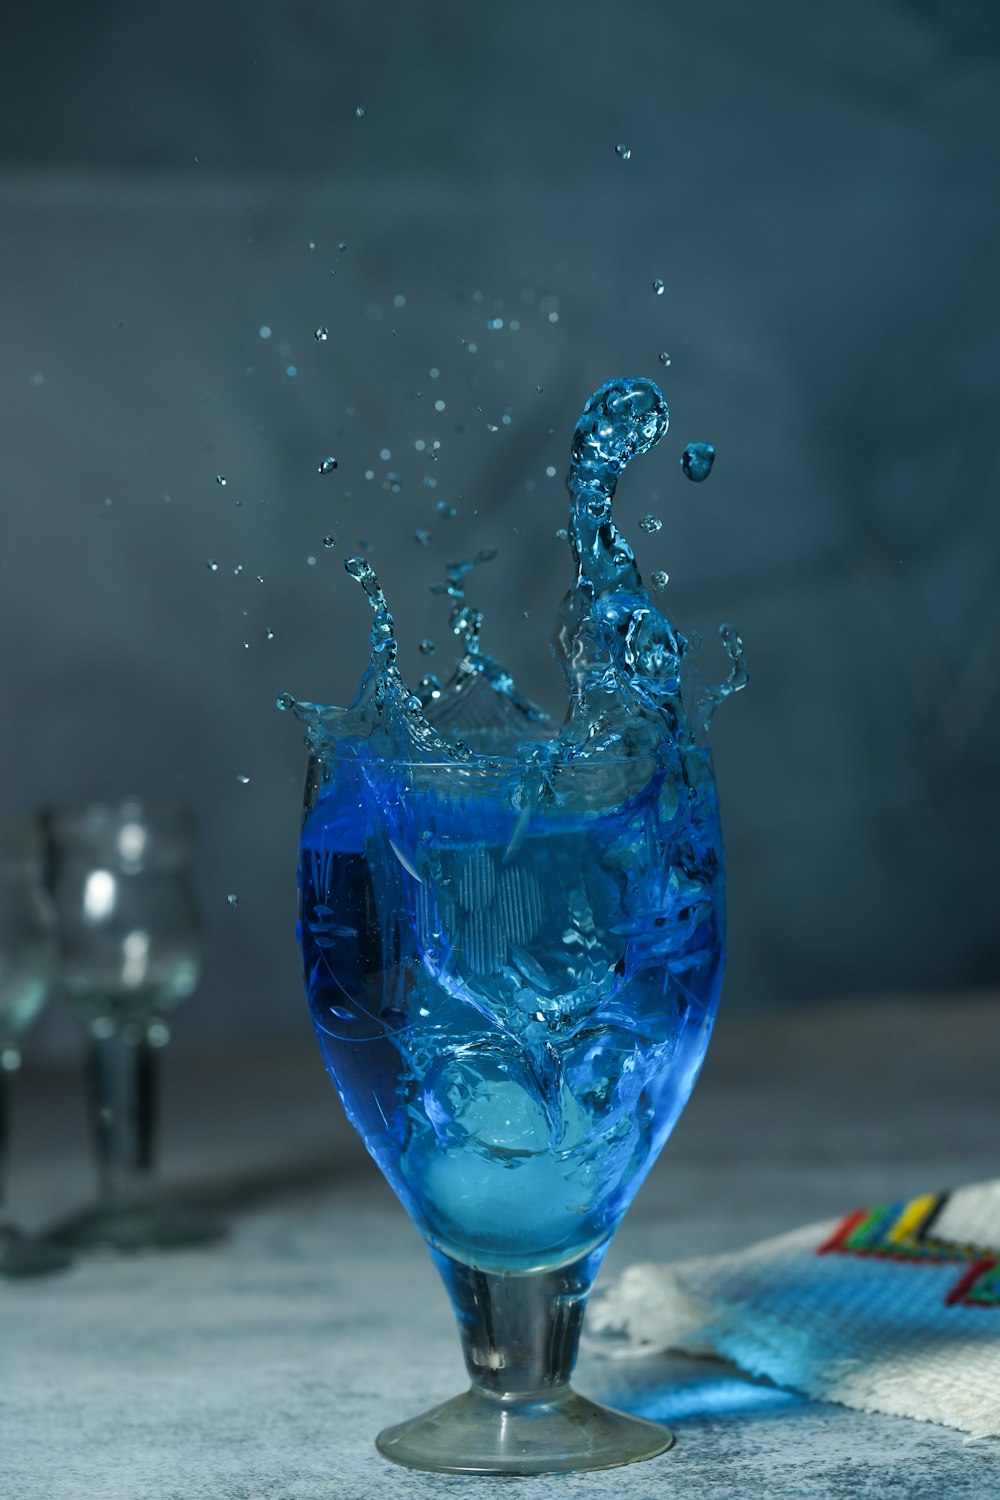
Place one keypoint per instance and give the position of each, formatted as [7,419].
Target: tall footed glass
[513,974]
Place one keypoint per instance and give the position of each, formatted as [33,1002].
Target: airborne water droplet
[423,537]
[659,580]
[664,358]
[448,512]
[622,151]
[650,524]
[221,479]
[658,287]
[426,647]
[212,565]
[243,780]
[342,247]
[360,111]
[232,899]
[697,460]
[328,541]
[269,634]
[321,335]
[284,701]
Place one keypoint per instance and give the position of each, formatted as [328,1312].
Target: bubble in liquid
[622,151]
[650,524]
[328,540]
[221,479]
[426,647]
[697,460]
[284,701]
[664,358]
[232,899]
[659,580]
[448,512]
[212,565]
[321,335]
[243,780]
[422,537]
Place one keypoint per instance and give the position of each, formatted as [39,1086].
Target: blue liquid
[513,937]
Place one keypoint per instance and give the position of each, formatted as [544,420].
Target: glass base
[20,1255]
[135,1226]
[480,1433]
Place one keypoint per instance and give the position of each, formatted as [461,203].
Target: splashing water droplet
[342,246]
[328,541]
[448,512]
[327,466]
[422,537]
[426,647]
[664,358]
[658,287]
[360,112]
[697,460]
[212,565]
[284,701]
[650,524]
[232,899]
[269,635]
[622,151]
[243,780]
[321,335]
[221,479]
[659,580]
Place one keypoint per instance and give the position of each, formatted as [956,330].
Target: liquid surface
[513,934]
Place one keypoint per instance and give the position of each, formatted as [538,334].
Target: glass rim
[499,764]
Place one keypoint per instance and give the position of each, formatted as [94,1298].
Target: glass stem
[123,1104]
[520,1332]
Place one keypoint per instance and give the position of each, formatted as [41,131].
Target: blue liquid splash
[513,936]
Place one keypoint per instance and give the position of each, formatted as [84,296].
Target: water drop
[243,780]
[659,580]
[658,287]
[622,151]
[321,335]
[650,524]
[264,331]
[394,482]
[342,247]
[439,406]
[697,460]
[221,479]
[311,561]
[426,647]
[269,635]
[550,471]
[562,533]
[237,570]
[422,537]
[664,358]
[327,466]
[328,540]
[429,687]
[413,704]
[212,565]
[291,371]
[448,512]
[284,701]
[232,899]
[360,111]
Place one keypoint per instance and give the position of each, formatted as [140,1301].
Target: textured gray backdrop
[816,186]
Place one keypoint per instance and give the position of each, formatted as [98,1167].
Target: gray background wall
[816,186]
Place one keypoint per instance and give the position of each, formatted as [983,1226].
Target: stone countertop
[261,1370]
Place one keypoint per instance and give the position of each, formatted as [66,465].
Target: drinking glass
[27,966]
[513,974]
[129,944]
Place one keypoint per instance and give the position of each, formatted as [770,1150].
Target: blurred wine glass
[27,964]
[129,944]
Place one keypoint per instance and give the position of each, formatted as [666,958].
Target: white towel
[894,1309]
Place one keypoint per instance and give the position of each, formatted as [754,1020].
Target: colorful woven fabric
[893,1309]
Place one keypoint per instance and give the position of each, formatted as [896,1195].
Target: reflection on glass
[130,939]
[26,969]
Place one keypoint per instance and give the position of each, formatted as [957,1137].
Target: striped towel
[893,1309]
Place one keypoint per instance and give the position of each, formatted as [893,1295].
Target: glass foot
[20,1255]
[133,1227]
[479,1433]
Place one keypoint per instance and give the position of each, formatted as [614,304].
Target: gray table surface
[261,1369]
